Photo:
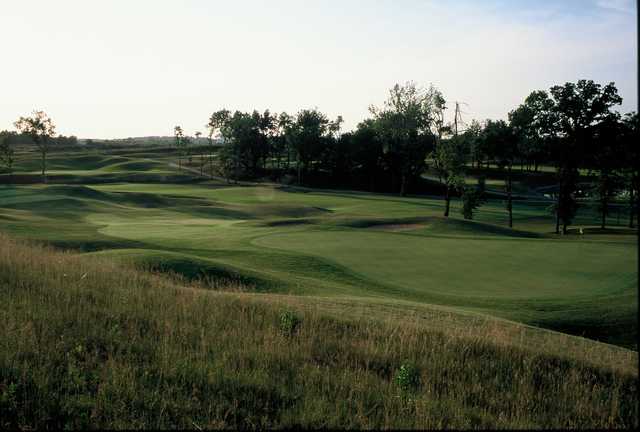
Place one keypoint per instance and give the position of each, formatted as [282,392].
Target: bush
[407,377]
[289,323]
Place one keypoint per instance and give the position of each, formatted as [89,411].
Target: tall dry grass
[88,343]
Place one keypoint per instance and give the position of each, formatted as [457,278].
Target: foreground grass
[90,343]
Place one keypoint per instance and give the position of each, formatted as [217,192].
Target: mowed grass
[346,244]
[90,343]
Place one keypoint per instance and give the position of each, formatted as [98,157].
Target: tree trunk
[558,211]
[447,202]
[509,197]
[44,166]
[403,185]
[604,209]
[632,206]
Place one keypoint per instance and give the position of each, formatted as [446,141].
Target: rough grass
[90,343]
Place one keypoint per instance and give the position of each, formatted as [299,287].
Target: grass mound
[139,165]
[210,274]
[437,225]
[91,343]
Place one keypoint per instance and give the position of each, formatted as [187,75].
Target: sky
[124,68]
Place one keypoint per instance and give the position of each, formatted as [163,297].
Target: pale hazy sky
[125,68]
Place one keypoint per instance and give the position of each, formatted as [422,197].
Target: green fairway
[341,244]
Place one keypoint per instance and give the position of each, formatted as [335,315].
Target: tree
[604,163]
[505,139]
[40,128]
[307,137]
[533,125]
[404,126]
[197,135]
[6,152]
[216,122]
[368,152]
[578,108]
[179,140]
[450,155]
[630,162]
[280,141]
[472,198]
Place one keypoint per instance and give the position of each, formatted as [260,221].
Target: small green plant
[407,377]
[289,322]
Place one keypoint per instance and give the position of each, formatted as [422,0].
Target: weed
[407,377]
[289,323]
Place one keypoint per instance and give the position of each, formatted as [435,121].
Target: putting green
[502,268]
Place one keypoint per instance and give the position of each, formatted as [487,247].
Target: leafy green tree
[504,151]
[216,122]
[308,135]
[40,128]
[404,126]
[533,125]
[203,159]
[451,157]
[604,163]
[7,154]
[631,161]
[178,134]
[280,141]
[578,108]
[368,152]
[473,135]
[472,198]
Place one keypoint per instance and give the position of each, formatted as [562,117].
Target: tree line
[572,127]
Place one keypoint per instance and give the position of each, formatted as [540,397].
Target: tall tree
[197,135]
[6,153]
[368,151]
[603,161]
[631,162]
[308,134]
[472,198]
[404,126]
[40,128]
[505,139]
[216,122]
[451,157]
[578,108]
[178,134]
[534,127]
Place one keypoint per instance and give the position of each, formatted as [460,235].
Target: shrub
[289,323]
[407,377]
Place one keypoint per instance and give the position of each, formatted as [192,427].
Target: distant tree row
[571,127]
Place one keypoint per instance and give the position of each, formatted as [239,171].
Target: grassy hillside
[88,342]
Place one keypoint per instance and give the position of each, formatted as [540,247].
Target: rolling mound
[191,268]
